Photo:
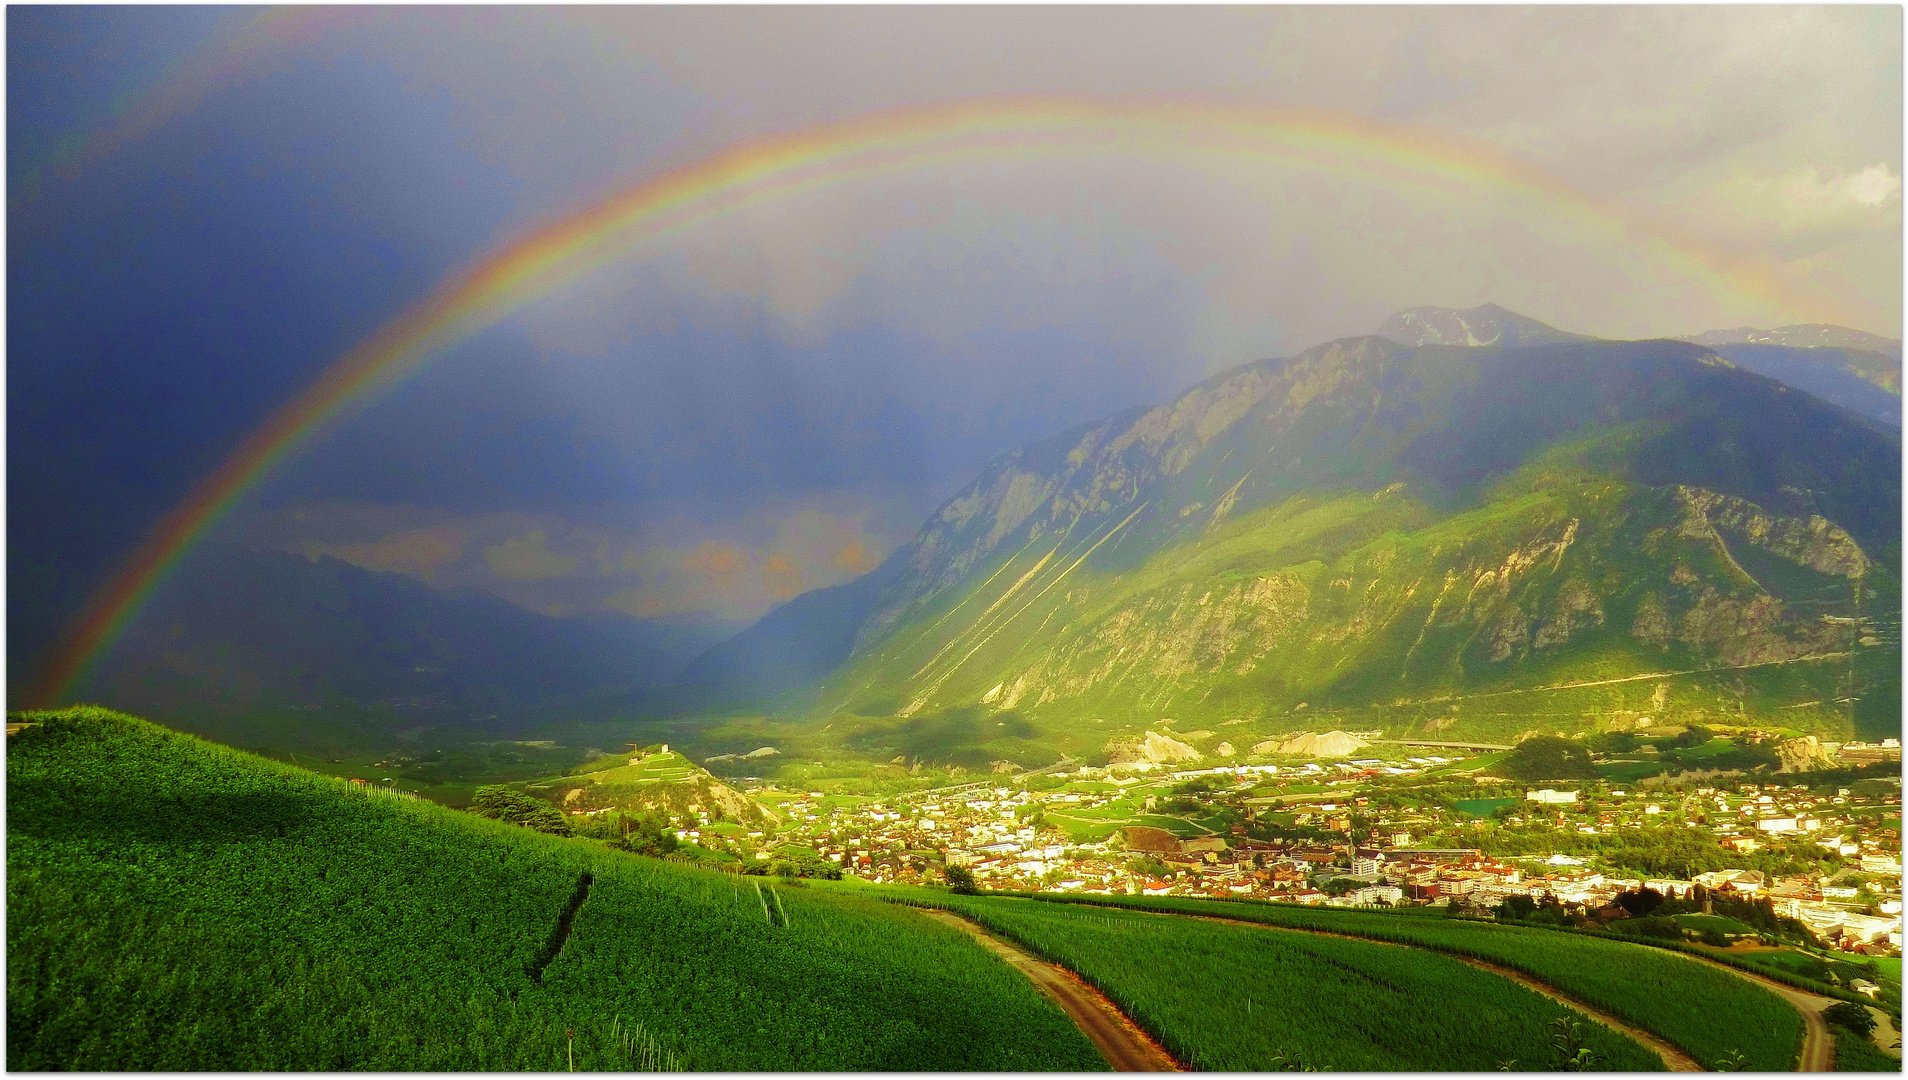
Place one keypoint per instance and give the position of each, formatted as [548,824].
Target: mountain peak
[1486,324]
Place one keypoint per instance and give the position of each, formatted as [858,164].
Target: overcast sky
[206,208]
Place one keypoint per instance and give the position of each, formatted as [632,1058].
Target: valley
[793,940]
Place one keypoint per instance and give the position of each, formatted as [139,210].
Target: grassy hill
[176,905]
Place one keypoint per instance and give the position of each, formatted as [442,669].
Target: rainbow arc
[764,169]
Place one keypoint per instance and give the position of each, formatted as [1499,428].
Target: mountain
[1409,538]
[1865,383]
[1804,336]
[236,628]
[1480,326]
[1855,370]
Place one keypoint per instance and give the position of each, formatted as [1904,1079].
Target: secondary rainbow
[775,166]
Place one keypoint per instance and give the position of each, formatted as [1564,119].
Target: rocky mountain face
[1433,537]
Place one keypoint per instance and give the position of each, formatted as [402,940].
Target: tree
[1854,1017]
[960,880]
[1515,907]
[647,833]
[1546,757]
[1639,901]
[500,803]
[1693,735]
[1147,866]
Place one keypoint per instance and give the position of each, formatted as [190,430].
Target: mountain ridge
[1781,494]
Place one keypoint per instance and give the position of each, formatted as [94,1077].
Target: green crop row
[174,905]
[1710,1014]
[1232,998]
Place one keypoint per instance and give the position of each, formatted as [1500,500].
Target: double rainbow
[772,167]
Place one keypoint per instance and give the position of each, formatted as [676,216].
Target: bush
[961,880]
[499,802]
[1855,1018]
[1639,901]
[647,834]
[1657,926]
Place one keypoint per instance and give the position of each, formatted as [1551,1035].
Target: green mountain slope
[174,905]
[1410,539]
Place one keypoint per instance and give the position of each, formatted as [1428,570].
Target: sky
[208,207]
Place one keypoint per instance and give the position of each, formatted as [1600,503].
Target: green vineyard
[174,905]
[1240,999]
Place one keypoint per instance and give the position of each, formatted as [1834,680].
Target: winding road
[1125,1046]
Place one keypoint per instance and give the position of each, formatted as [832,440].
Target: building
[1551,798]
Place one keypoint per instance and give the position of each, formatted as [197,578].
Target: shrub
[1855,1018]
[503,804]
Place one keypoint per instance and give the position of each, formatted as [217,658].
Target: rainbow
[228,57]
[775,166]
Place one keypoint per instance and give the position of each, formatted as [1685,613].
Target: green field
[175,905]
[1266,996]
[1482,807]
[1706,1012]
[1854,1053]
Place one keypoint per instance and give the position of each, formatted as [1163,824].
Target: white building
[1550,797]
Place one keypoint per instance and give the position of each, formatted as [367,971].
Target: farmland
[1708,1013]
[175,905]
[1266,996]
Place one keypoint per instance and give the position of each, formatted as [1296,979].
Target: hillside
[174,905]
[1411,539]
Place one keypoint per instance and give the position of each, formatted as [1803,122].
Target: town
[1391,830]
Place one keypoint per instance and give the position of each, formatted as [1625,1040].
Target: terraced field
[1263,999]
[1710,1014]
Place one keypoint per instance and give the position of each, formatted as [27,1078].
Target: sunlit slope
[1375,527]
[174,905]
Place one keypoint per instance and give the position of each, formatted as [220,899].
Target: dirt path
[1884,1036]
[1126,1047]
